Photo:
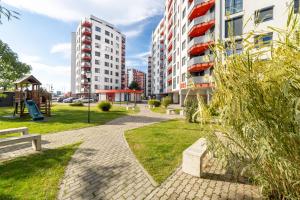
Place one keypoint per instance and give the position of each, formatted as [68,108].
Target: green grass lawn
[36,176]
[159,147]
[64,118]
[161,110]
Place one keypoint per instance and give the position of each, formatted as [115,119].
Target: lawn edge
[151,179]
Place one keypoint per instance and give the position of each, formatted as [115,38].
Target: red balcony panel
[170,47]
[200,29]
[170,25]
[201,9]
[170,58]
[170,80]
[170,69]
[86,41]
[86,67]
[170,15]
[170,3]
[204,85]
[87,58]
[86,24]
[87,50]
[162,33]
[199,48]
[87,33]
[170,36]
[200,67]
[182,85]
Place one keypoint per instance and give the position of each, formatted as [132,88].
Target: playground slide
[34,111]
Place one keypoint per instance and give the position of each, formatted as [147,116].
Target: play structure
[30,95]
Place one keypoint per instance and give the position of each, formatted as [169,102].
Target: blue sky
[41,37]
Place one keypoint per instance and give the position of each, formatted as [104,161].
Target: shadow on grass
[23,175]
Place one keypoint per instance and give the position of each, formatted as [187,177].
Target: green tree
[10,67]
[134,86]
[9,14]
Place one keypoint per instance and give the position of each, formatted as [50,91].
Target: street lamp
[89,77]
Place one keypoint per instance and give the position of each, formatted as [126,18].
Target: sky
[42,36]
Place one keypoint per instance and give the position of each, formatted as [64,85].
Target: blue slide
[34,111]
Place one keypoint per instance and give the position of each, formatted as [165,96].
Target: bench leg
[37,144]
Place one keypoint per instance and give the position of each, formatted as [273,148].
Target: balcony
[170,58]
[86,65]
[170,25]
[86,31]
[170,15]
[86,40]
[201,24]
[201,81]
[200,44]
[170,70]
[170,3]
[170,80]
[86,48]
[170,36]
[199,8]
[86,56]
[200,63]
[170,47]
[86,24]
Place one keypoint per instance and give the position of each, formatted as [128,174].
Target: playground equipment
[37,100]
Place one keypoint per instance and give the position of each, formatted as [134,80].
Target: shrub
[77,104]
[154,102]
[191,107]
[166,101]
[257,100]
[104,106]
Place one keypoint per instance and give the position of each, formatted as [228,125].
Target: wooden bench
[171,111]
[192,161]
[25,137]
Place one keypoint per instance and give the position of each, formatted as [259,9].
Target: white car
[84,100]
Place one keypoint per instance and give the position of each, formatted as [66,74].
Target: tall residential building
[149,77]
[98,57]
[181,57]
[136,76]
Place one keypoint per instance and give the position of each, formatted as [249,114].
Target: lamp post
[89,76]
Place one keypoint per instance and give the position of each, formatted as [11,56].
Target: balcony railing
[201,40]
[201,79]
[86,48]
[86,24]
[199,7]
[86,56]
[86,40]
[201,20]
[86,31]
[200,63]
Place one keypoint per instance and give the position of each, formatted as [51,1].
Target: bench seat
[36,141]
[23,130]
[193,158]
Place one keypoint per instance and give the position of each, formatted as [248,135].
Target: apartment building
[97,57]
[136,76]
[181,55]
[149,78]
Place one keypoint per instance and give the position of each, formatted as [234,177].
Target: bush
[191,107]
[154,102]
[166,101]
[260,125]
[104,106]
[77,104]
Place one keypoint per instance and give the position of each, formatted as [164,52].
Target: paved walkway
[105,168]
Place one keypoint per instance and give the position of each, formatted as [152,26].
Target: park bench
[25,137]
[192,162]
[171,111]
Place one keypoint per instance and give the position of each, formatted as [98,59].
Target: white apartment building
[181,56]
[97,58]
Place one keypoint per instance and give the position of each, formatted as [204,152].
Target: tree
[9,14]
[134,86]
[10,67]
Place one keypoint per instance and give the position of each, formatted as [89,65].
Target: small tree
[10,67]
[134,86]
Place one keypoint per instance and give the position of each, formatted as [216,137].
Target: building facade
[181,54]
[97,57]
[149,78]
[136,76]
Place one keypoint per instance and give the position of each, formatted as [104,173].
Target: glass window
[106,71]
[183,29]
[97,53]
[233,6]
[183,13]
[107,33]
[263,40]
[97,62]
[296,6]
[264,15]
[106,56]
[98,29]
[97,70]
[234,27]
[183,45]
[97,37]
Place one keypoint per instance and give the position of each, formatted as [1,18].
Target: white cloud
[62,48]
[134,32]
[138,60]
[60,74]
[115,11]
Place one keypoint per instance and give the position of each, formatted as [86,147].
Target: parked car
[69,100]
[60,99]
[84,100]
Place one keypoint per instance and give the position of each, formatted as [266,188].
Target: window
[235,48]
[96,87]
[183,60]
[183,28]
[233,6]
[117,66]
[116,81]
[97,62]
[97,37]
[106,56]
[107,41]
[97,45]
[264,15]
[296,6]
[117,38]
[96,78]
[183,13]
[106,64]
[107,33]
[97,53]
[106,72]
[263,40]
[183,45]
[97,70]
[106,80]
[234,27]
[183,76]
[117,59]
[98,29]
[117,73]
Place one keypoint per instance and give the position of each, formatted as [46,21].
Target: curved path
[104,167]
